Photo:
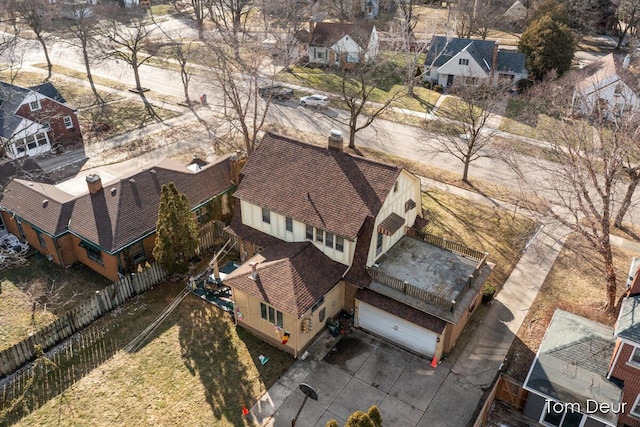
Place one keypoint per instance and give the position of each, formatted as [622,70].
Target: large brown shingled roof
[291,276]
[330,190]
[113,219]
[40,204]
[121,212]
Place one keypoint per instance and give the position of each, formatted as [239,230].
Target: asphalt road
[395,138]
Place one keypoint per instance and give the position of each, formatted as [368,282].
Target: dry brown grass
[54,289]
[575,284]
[197,369]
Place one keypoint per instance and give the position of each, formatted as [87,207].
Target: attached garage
[398,323]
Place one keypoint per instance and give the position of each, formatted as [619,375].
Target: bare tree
[284,21]
[229,16]
[356,90]
[628,19]
[82,26]
[463,130]
[32,14]
[238,78]
[583,174]
[199,13]
[125,36]
[343,10]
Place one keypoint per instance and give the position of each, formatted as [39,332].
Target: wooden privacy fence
[212,234]
[506,389]
[46,378]
[448,245]
[79,317]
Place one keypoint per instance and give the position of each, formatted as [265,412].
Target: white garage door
[397,330]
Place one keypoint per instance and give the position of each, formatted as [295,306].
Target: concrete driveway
[360,371]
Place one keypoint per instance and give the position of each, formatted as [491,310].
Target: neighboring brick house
[472,62]
[343,45]
[108,222]
[321,231]
[567,382]
[608,87]
[36,119]
[625,363]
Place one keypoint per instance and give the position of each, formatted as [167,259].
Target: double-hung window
[339,244]
[271,315]
[68,123]
[266,216]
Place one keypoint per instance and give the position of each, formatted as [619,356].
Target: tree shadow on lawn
[225,357]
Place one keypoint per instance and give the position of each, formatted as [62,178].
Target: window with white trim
[271,315]
[41,139]
[266,216]
[379,244]
[31,142]
[635,409]
[561,415]
[339,244]
[635,357]
[288,224]
[319,235]
[35,105]
[68,123]
[328,239]
[309,232]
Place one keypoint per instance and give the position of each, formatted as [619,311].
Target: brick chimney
[236,164]
[94,183]
[494,59]
[312,28]
[335,141]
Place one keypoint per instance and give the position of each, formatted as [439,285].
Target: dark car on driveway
[276,91]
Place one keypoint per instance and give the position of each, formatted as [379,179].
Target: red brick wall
[631,377]
[54,113]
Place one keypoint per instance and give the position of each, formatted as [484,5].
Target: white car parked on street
[314,101]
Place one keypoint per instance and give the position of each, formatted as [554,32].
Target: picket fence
[80,316]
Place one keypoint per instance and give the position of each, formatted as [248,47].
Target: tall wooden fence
[212,235]
[79,317]
[506,389]
[29,389]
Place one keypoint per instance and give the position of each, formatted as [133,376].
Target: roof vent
[132,181]
[113,191]
[45,203]
[153,171]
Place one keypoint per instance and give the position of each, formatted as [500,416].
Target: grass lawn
[513,121]
[481,227]
[576,284]
[54,289]
[197,369]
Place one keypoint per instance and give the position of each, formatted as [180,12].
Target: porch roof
[572,362]
[290,276]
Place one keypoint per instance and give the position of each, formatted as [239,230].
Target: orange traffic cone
[434,362]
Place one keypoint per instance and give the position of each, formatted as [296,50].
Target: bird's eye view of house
[341,44]
[471,62]
[104,221]
[321,231]
[36,119]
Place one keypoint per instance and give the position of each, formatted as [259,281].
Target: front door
[450,79]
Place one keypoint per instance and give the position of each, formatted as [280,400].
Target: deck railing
[409,289]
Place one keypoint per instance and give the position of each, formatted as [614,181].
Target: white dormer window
[35,105]
[463,61]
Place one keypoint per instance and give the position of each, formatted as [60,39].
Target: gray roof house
[567,382]
[468,61]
